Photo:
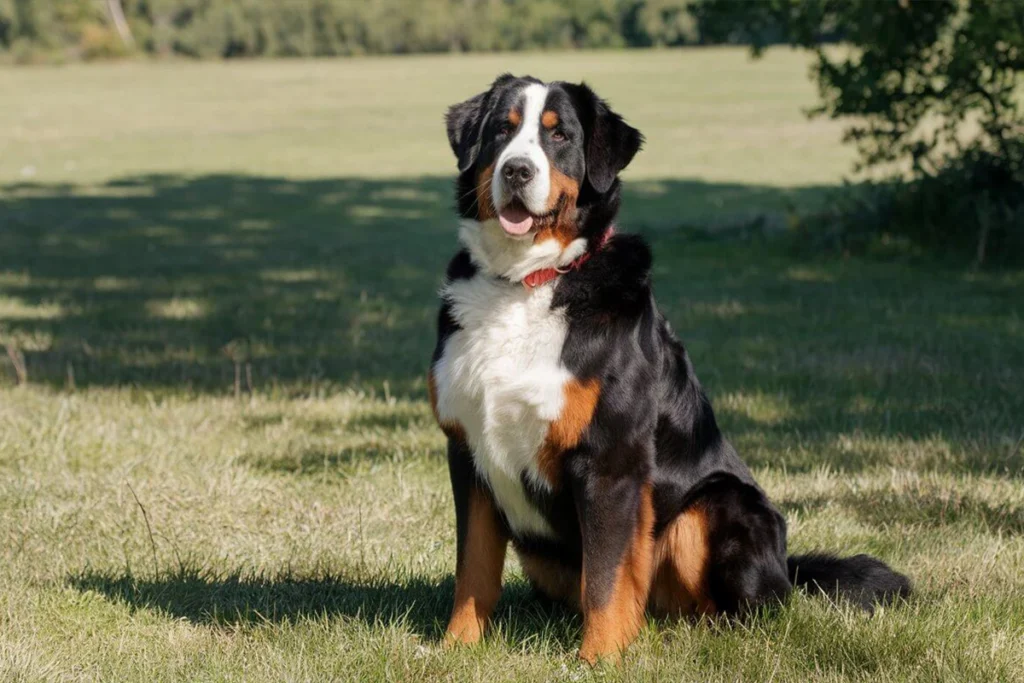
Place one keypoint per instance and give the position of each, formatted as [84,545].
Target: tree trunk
[121,24]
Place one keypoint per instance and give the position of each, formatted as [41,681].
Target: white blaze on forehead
[526,143]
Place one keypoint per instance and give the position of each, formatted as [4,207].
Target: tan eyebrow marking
[514,117]
[549,119]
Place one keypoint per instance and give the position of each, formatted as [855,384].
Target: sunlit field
[217,302]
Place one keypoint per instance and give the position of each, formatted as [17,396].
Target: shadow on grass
[420,605]
[172,283]
[396,417]
[318,460]
[167,281]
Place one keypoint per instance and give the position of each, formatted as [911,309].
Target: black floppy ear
[611,143]
[463,123]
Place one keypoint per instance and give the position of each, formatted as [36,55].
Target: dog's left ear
[611,143]
[463,123]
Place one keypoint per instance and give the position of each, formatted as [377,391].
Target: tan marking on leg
[564,433]
[553,579]
[680,560]
[549,119]
[478,574]
[451,428]
[484,204]
[562,195]
[610,628]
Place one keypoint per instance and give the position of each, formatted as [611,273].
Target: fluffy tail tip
[863,580]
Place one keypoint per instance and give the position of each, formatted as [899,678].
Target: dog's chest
[500,377]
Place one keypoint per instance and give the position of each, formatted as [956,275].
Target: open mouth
[515,219]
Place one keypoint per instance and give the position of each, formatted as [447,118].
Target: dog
[577,429]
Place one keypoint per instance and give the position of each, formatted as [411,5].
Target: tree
[665,22]
[931,85]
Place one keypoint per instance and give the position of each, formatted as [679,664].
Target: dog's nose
[518,171]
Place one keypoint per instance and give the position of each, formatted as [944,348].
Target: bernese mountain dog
[577,429]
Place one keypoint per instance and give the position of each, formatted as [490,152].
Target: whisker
[474,190]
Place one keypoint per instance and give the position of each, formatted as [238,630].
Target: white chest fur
[501,378]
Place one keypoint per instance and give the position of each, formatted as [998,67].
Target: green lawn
[222,280]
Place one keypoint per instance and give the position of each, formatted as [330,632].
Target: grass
[166,226]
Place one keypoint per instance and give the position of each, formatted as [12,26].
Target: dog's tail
[861,579]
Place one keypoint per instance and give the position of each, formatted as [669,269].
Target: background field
[222,279]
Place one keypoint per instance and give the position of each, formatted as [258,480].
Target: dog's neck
[498,255]
[546,275]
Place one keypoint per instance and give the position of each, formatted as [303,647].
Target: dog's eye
[506,129]
[557,135]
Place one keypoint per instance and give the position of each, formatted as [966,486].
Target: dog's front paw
[596,655]
[463,629]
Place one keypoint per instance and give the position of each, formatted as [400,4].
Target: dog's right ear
[464,123]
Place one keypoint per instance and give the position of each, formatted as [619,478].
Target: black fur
[467,122]
[610,142]
[861,579]
[653,423]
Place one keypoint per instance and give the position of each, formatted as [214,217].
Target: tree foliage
[278,28]
[930,86]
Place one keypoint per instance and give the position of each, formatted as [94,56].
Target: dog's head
[538,172]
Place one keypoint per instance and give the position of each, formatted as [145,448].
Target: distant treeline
[33,30]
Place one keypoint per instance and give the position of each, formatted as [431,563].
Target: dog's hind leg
[747,562]
[681,555]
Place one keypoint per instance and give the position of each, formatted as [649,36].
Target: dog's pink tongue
[515,220]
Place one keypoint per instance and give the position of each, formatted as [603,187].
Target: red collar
[545,275]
